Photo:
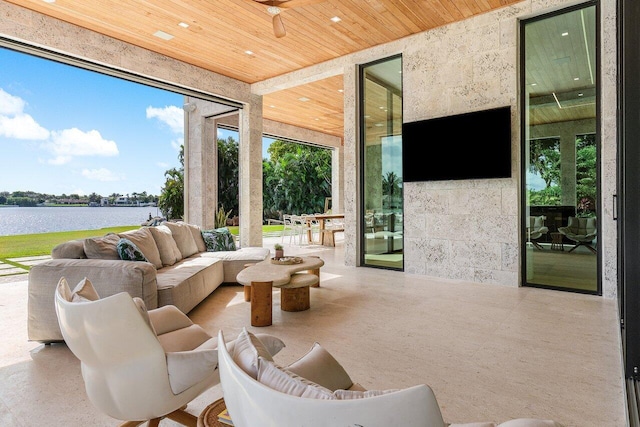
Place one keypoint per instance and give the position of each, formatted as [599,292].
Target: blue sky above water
[68,130]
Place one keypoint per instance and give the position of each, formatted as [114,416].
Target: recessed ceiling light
[183,25]
[581,94]
[272,106]
[163,35]
[303,99]
[565,34]
[248,52]
[336,19]
[576,78]
[340,90]
[379,125]
[316,118]
[49,1]
[534,84]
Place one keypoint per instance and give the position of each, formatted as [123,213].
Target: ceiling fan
[275,7]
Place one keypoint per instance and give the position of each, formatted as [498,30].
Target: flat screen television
[474,145]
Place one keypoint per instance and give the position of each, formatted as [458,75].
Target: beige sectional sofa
[177,270]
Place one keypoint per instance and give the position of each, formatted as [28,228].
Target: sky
[66,130]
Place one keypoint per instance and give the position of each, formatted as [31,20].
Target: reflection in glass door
[560,135]
[381,159]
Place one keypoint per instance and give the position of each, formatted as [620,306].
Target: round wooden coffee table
[209,417]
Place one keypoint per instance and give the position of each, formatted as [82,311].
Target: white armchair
[315,391]
[582,231]
[251,403]
[136,367]
[536,229]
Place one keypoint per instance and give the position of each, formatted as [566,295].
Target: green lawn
[23,245]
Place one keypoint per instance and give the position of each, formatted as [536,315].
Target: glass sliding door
[560,156]
[381,160]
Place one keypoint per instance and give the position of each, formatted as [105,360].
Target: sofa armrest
[109,277]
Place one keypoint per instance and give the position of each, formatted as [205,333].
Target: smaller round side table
[209,416]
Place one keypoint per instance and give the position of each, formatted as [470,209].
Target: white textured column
[350,197]
[251,173]
[201,161]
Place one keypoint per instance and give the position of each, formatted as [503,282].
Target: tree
[296,178]
[586,167]
[228,175]
[171,200]
[545,159]
[392,188]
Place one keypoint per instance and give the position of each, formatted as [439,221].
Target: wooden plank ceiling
[220,32]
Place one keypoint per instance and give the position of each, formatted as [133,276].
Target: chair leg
[537,245]
[179,415]
[183,417]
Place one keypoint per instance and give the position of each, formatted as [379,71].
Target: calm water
[49,219]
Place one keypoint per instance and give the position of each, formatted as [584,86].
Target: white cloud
[73,142]
[14,123]
[102,174]
[163,165]
[10,105]
[22,126]
[170,115]
[59,160]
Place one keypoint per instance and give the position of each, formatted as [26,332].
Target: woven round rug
[209,416]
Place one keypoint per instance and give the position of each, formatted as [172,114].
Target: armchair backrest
[251,403]
[582,226]
[123,364]
[536,222]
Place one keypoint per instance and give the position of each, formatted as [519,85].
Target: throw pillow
[144,240]
[102,247]
[128,251]
[319,366]
[281,380]
[356,394]
[246,350]
[183,237]
[219,239]
[169,252]
[83,292]
[197,237]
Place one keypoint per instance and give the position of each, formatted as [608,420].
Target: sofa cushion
[128,251]
[183,237]
[284,381]
[197,237]
[246,351]
[320,367]
[219,239]
[73,249]
[143,239]
[167,248]
[102,247]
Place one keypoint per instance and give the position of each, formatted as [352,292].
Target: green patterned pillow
[128,251]
[219,239]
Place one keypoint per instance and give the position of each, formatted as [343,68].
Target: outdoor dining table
[321,218]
